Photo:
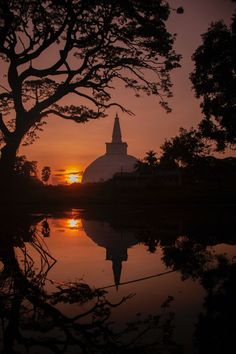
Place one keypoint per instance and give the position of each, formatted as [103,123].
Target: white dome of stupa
[115,159]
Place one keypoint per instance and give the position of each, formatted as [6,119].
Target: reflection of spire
[116,135]
[115,242]
[117,267]
[117,254]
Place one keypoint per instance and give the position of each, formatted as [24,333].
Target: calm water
[177,267]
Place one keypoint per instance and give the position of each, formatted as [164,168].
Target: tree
[151,158]
[46,173]
[214,80]
[23,167]
[185,148]
[148,164]
[51,50]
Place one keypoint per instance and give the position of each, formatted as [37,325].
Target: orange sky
[65,144]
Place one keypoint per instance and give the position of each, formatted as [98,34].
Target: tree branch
[5,95]
[76,118]
[103,105]
[45,45]
[4,128]
[51,70]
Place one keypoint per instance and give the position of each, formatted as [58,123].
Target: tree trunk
[7,160]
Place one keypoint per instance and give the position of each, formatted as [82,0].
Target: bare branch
[103,105]
[84,114]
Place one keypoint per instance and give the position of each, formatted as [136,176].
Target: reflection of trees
[194,258]
[187,256]
[32,318]
[215,331]
[216,273]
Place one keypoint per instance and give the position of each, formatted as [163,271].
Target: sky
[66,145]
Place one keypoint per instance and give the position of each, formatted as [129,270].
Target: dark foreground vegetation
[195,185]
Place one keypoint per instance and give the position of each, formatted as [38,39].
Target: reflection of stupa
[115,160]
[116,243]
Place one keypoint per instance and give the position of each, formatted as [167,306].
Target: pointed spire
[116,146]
[117,267]
[116,135]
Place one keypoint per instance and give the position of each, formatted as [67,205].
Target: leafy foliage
[151,158]
[148,164]
[24,167]
[214,80]
[185,148]
[46,173]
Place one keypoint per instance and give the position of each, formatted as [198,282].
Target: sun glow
[73,179]
[73,175]
[74,224]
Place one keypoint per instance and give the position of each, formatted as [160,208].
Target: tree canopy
[26,168]
[147,165]
[50,50]
[45,174]
[214,80]
[184,148]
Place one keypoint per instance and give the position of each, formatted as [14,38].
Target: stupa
[115,159]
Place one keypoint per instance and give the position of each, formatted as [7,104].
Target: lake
[103,281]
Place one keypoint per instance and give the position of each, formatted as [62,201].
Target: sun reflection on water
[74,224]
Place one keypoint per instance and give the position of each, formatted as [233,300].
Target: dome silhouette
[115,160]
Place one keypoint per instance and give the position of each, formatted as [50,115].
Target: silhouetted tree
[150,158]
[214,80]
[185,148]
[46,173]
[24,167]
[148,164]
[50,50]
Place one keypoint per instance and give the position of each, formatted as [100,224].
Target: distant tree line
[190,154]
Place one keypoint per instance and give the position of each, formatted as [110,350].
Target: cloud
[67,173]
[59,174]
[74,173]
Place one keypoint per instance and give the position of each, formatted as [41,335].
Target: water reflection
[74,224]
[115,242]
[45,308]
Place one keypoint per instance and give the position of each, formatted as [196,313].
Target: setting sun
[73,179]
[73,175]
